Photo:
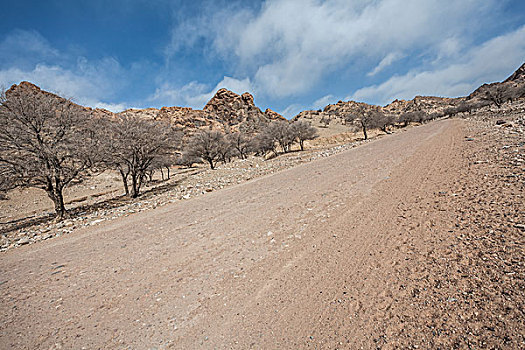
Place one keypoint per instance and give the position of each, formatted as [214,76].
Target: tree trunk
[168,171]
[125,181]
[58,200]
[135,185]
[301,144]
[212,166]
[364,132]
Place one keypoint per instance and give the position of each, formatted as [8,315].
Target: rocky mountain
[338,113]
[512,87]
[225,111]
[518,76]
[239,110]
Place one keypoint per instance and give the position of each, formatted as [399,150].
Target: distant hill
[512,87]
[226,110]
[230,111]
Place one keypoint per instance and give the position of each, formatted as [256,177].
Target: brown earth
[413,240]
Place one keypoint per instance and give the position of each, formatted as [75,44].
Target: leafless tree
[134,146]
[263,143]
[205,145]
[240,142]
[187,160]
[303,131]
[325,121]
[464,107]
[383,121]
[281,132]
[226,150]
[406,118]
[496,94]
[450,111]
[46,142]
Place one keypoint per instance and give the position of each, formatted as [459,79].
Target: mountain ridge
[227,110]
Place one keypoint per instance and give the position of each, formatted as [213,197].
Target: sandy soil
[385,245]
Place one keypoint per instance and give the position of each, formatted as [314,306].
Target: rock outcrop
[511,88]
[518,76]
[225,111]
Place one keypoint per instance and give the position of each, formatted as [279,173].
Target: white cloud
[86,82]
[291,111]
[22,48]
[287,46]
[489,61]
[113,107]
[323,101]
[385,62]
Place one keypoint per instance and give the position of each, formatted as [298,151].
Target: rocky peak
[26,87]
[518,75]
[225,101]
[272,115]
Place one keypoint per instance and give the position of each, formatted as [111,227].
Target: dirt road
[310,257]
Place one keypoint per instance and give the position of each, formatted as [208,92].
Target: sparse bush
[303,131]
[240,144]
[136,148]
[384,121]
[325,121]
[450,111]
[262,144]
[207,146]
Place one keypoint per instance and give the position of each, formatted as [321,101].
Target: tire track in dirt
[305,257]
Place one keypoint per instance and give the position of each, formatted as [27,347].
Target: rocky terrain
[414,240]
[28,216]
[225,111]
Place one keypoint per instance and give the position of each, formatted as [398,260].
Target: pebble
[23,240]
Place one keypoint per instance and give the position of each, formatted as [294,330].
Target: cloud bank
[286,47]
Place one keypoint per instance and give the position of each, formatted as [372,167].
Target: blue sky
[291,54]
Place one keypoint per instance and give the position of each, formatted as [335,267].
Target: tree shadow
[106,204]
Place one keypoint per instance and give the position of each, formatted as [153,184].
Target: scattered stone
[23,240]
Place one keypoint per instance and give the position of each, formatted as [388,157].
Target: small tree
[497,95]
[406,118]
[303,131]
[226,150]
[205,145]
[464,107]
[46,142]
[367,121]
[240,143]
[325,121]
[263,143]
[135,144]
[383,121]
[450,111]
[281,132]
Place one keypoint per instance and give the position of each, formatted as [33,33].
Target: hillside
[347,251]
[230,111]
[225,110]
